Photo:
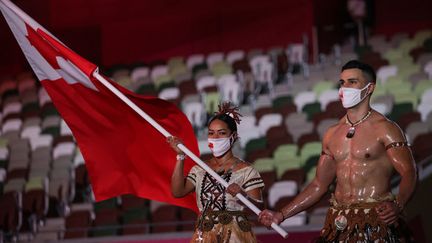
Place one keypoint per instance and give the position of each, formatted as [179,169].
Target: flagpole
[183,148]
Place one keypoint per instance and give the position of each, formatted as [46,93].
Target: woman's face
[218,129]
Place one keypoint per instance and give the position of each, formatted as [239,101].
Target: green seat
[53,131]
[422,86]
[421,36]
[282,101]
[197,68]
[109,203]
[105,230]
[406,97]
[310,149]
[393,54]
[310,175]
[30,107]
[396,85]
[135,214]
[287,164]
[407,45]
[285,150]
[400,109]
[34,183]
[211,101]
[221,68]
[148,88]
[311,109]
[161,79]
[49,110]
[124,81]
[264,164]
[255,144]
[169,84]
[310,163]
[322,86]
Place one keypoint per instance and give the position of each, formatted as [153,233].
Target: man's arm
[399,154]
[325,174]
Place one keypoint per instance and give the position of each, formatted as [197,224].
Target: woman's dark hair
[229,114]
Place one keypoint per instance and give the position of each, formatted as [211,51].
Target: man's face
[352,78]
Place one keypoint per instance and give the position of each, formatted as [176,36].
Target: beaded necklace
[351,130]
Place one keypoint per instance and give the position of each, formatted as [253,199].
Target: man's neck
[358,112]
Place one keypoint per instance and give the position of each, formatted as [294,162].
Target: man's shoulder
[333,128]
[386,126]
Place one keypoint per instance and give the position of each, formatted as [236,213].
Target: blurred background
[279,61]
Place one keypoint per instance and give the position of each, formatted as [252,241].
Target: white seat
[414,129]
[328,96]
[204,82]
[262,69]
[11,125]
[12,108]
[158,71]
[247,135]
[324,125]
[203,147]
[194,60]
[296,220]
[426,96]
[424,109]
[382,108]
[303,98]
[195,112]
[2,174]
[30,132]
[263,101]
[78,159]
[213,58]
[139,73]
[43,97]
[247,122]
[4,153]
[428,69]
[170,93]
[296,53]
[234,56]
[230,89]
[281,189]
[64,128]
[269,120]
[385,72]
[65,148]
[41,141]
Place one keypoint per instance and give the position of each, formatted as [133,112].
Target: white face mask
[351,96]
[219,146]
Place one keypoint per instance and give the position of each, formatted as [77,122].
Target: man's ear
[371,87]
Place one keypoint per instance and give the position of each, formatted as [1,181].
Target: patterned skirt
[360,223]
[223,227]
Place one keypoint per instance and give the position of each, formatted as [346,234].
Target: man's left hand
[388,212]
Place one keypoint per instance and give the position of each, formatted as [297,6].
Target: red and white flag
[123,153]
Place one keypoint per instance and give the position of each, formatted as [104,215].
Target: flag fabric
[123,153]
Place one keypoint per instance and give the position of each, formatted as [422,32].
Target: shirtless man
[359,153]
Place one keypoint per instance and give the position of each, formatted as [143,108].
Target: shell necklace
[351,130]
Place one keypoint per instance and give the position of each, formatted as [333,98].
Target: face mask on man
[351,97]
[219,146]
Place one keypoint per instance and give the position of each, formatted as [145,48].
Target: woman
[221,216]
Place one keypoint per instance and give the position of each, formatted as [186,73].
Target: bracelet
[398,204]
[180,157]
[281,212]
